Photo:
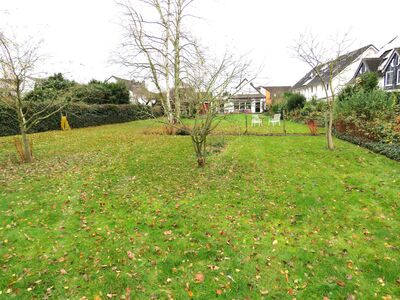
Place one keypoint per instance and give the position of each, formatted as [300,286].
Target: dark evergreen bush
[79,115]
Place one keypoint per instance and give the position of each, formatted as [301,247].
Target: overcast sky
[80,35]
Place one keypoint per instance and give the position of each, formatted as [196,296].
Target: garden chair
[275,120]
[255,120]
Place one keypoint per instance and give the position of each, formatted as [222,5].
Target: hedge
[389,150]
[79,115]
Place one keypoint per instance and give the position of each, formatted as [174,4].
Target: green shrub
[277,108]
[366,106]
[312,110]
[389,150]
[294,101]
[95,92]
[50,88]
[368,115]
[79,115]
[367,82]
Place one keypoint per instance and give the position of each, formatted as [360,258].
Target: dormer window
[389,78]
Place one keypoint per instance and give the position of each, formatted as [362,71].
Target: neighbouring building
[138,92]
[345,67]
[274,94]
[386,64]
[391,71]
[253,99]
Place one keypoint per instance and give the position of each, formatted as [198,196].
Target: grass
[236,124]
[108,208]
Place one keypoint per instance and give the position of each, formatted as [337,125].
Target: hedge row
[79,115]
[389,150]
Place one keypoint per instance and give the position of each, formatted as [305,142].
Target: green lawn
[236,124]
[109,208]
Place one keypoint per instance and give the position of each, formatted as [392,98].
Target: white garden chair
[255,120]
[275,120]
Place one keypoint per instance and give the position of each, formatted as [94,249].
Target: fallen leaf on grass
[199,278]
[130,255]
[218,292]
[340,283]
[168,232]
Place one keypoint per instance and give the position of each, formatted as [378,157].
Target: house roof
[342,62]
[241,97]
[372,63]
[132,85]
[277,89]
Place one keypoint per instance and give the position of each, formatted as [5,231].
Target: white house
[138,93]
[245,98]
[345,67]
[249,98]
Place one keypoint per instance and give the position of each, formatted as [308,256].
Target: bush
[389,150]
[79,115]
[312,111]
[369,115]
[277,108]
[294,101]
[97,92]
[50,88]
[367,82]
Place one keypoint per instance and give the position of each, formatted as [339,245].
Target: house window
[389,78]
[398,77]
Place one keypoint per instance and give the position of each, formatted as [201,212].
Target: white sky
[79,36]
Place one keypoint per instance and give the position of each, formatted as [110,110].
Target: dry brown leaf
[130,255]
[340,283]
[199,278]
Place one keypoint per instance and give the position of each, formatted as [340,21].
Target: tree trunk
[26,147]
[177,80]
[329,137]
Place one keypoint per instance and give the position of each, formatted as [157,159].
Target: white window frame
[386,76]
[398,77]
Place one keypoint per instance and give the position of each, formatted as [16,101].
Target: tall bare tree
[17,65]
[157,47]
[323,58]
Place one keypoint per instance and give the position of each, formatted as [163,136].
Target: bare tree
[157,47]
[17,65]
[324,61]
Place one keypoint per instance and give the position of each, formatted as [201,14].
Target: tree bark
[177,67]
[329,136]
[26,147]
